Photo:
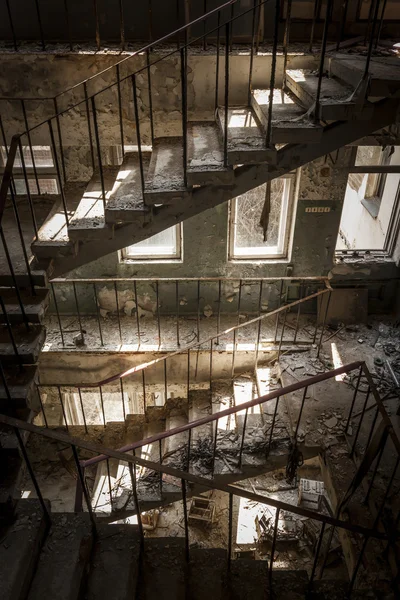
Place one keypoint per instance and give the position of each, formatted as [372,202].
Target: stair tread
[21,386]
[206,155]
[165,178]
[89,219]
[20,548]
[331,89]
[163,570]
[63,559]
[115,563]
[126,198]
[35,305]
[384,73]
[29,343]
[54,229]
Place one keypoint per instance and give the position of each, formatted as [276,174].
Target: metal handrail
[198,344]
[289,389]
[16,424]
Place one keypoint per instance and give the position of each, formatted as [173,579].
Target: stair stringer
[291,156]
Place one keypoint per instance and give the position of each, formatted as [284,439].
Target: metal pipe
[318,549]
[286,40]
[253,33]
[58,313]
[204,25]
[178,343]
[144,391]
[42,406]
[345,6]
[282,332]
[102,406]
[198,311]
[378,37]
[160,459]
[158,315]
[323,323]
[300,413]
[219,311]
[32,475]
[273,424]
[371,41]
[277,314]
[243,436]
[12,25]
[165,381]
[188,373]
[317,9]
[215,446]
[109,482]
[360,421]
[123,398]
[122,24]
[378,462]
[298,314]
[66,10]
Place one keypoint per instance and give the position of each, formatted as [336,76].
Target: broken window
[162,246]
[247,239]
[42,162]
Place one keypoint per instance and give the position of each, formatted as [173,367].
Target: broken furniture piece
[311,493]
[150,519]
[201,511]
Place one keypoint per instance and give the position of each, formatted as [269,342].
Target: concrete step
[64,558]
[88,222]
[335,103]
[206,156]
[290,124]
[200,406]
[22,388]
[165,181]
[125,204]
[208,573]
[384,73]
[249,579]
[20,548]
[29,343]
[114,568]
[35,306]
[40,272]
[163,574]
[246,138]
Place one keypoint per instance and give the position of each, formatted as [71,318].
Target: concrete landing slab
[206,156]
[125,204]
[29,343]
[384,73]
[20,549]
[88,223]
[163,570]
[165,182]
[246,138]
[35,306]
[64,558]
[115,563]
[290,124]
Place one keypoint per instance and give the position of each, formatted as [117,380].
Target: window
[246,235]
[368,182]
[45,170]
[162,246]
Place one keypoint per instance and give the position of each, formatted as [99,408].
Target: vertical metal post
[243,436]
[198,310]
[138,138]
[322,57]
[235,330]
[317,551]
[77,309]
[109,482]
[184,114]
[345,6]
[211,364]
[67,23]
[217,62]
[360,422]
[371,41]
[102,406]
[158,314]
[98,314]
[324,322]
[215,446]
[150,17]
[13,277]
[378,462]
[185,517]
[189,449]
[122,397]
[132,473]
[165,381]
[253,35]
[273,71]
[137,312]
[353,400]
[42,406]
[144,390]
[58,172]
[28,135]
[160,452]
[301,293]
[300,413]
[204,25]
[273,424]
[273,547]
[286,40]
[371,431]
[99,160]
[10,333]
[32,475]
[89,125]
[230,532]
[97,24]
[226,99]
[121,124]
[378,37]
[188,373]
[317,9]
[258,334]
[58,122]
[122,24]
[177,312]
[118,315]
[282,332]
[39,18]
[62,407]
[219,311]
[150,96]
[83,410]
[83,486]
[10,19]
[277,314]
[58,313]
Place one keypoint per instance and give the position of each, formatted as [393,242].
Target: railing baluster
[144,390]
[10,19]
[185,518]
[324,322]
[62,406]
[188,374]
[122,398]
[219,311]
[345,6]
[371,41]
[230,532]
[150,96]
[317,10]
[226,99]
[198,310]
[78,313]
[58,313]
[317,551]
[82,408]
[137,312]
[32,475]
[215,446]
[253,35]
[83,487]
[121,124]
[89,126]
[211,364]
[378,37]
[273,424]
[353,400]
[298,313]
[39,19]
[97,24]
[177,312]
[60,139]
[273,73]
[158,314]
[58,172]
[277,314]
[67,24]
[28,135]
[184,114]
[11,334]
[165,381]
[118,315]
[360,422]
[109,482]
[273,547]
[286,40]
[204,25]
[13,277]
[150,18]
[122,24]
[138,138]
[322,58]
[132,473]
[99,159]
[282,332]
[160,452]
[102,406]
[42,405]
[217,63]
[300,413]
[189,449]
[243,436]
[378,462]
[98,315]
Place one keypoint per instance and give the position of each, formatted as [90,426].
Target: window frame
[286,228]
[161,257]
[42,172]
[373,203]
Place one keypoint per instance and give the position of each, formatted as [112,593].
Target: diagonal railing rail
[323,521]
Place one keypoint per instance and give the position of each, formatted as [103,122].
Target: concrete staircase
[68,562]
[170,196]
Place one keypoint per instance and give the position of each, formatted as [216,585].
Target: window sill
[372,205]
[149,261]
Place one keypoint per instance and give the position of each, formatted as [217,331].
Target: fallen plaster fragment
[331,423]
[208,311]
